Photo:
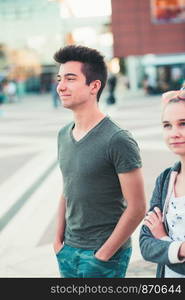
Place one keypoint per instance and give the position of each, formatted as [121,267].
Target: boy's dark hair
[93,68]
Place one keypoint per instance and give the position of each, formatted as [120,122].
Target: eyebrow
[67,74]
[180,120]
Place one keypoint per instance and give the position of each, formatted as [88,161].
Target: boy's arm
[60,226]
[132,186]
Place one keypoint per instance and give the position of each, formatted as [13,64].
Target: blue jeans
[82,263]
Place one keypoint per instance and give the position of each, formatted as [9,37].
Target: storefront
[164,72]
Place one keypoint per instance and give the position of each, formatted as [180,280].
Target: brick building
[150,34]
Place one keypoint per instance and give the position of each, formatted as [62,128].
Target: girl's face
[173,120]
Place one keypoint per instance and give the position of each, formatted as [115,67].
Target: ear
[95,86]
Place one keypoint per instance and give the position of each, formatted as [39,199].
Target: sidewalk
[30,185]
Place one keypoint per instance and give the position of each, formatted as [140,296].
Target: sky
[88,8]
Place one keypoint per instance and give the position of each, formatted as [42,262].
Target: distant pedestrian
[2,98]
[150,85]
[54,94]
[111,82]
[162,237]
[103,198]
[10,90]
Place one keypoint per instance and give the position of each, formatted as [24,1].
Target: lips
[64,97]
[177,143]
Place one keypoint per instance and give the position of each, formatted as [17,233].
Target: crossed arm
[153,220]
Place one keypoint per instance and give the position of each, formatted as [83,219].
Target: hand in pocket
[58,247]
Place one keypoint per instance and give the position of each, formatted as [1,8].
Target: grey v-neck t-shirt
[90,168]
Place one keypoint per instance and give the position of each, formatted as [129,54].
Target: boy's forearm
[126,225]
[60,225]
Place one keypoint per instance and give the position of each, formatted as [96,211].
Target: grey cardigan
[152,249]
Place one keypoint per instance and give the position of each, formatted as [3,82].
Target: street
[30,179]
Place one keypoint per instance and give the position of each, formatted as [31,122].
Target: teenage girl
[162,236]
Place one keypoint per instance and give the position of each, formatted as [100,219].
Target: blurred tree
[19,63]
[23,64]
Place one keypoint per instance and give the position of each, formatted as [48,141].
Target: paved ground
[30,180]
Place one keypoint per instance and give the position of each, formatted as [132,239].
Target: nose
[175,132]
[61,86]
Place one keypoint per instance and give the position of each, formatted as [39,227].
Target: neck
[87,117]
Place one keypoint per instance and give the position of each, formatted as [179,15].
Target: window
[165,11]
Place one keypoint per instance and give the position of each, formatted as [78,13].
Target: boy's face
[72,88]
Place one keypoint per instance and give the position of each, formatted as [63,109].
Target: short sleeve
[124,152]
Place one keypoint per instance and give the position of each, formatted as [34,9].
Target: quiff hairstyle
[93,64]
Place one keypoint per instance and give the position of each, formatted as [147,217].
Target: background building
[33,30]
[149,35]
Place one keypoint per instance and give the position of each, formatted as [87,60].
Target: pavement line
[6,218]
[14,187]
